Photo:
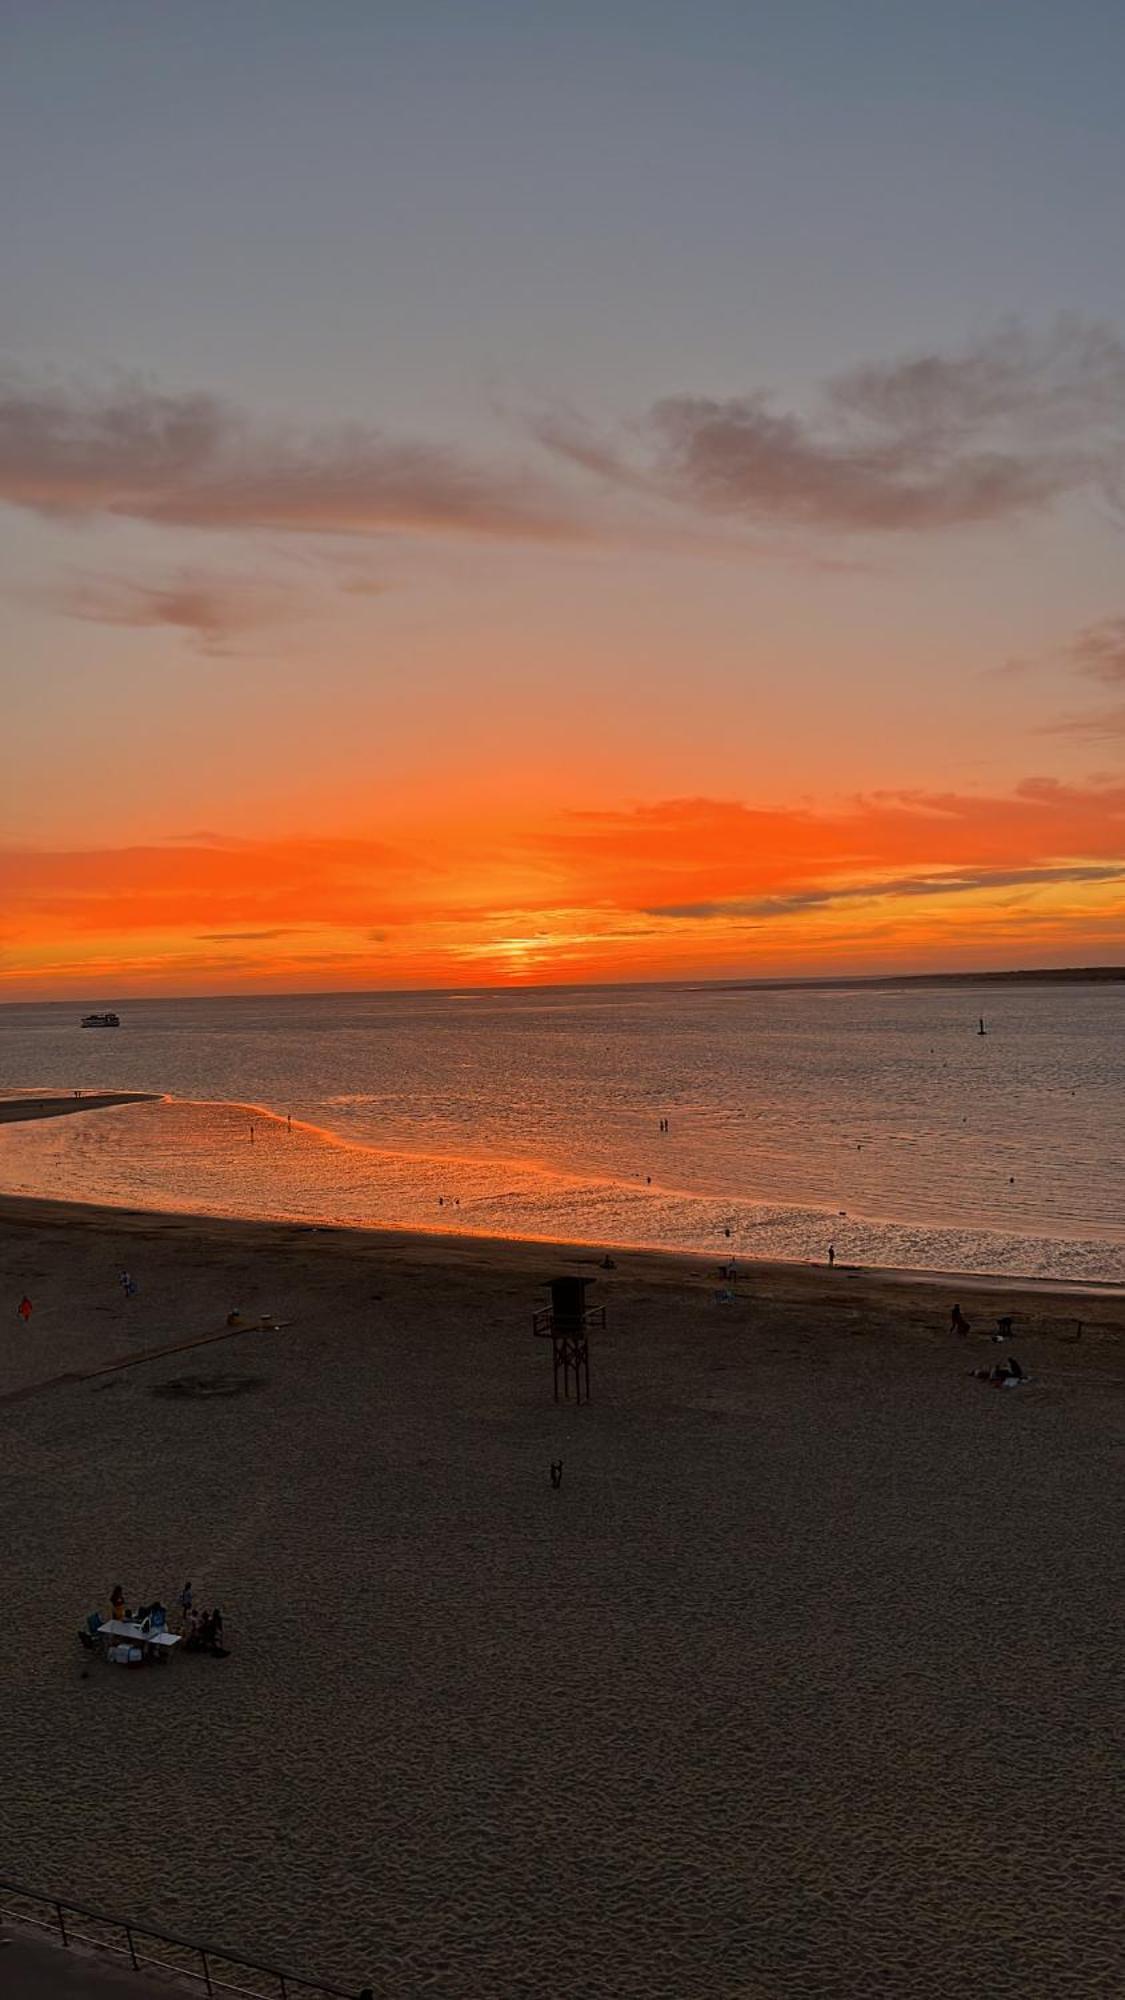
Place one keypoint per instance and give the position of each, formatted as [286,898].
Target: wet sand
[805,1682]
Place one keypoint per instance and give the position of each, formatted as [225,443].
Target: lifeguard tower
[566,1323]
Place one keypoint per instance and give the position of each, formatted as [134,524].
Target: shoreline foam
[666,1219]
[450,1246]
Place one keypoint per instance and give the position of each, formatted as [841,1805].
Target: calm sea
[878,1119]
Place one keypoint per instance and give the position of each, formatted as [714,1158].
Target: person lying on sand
[1006,1374]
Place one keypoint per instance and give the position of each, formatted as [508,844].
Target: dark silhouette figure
[831,1255]
[958,1323]
[556,1473]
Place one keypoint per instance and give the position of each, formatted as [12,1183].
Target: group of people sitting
[150,1617]
[200,1631]
[203,1633]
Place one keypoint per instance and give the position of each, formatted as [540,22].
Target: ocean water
[876,1118]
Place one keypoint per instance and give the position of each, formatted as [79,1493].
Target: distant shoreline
[1090,975]
[1070,975]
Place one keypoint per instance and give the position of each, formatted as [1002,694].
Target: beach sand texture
[805,1683]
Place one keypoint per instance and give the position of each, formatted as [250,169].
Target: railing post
[62,1925]
[132,1953]
[206,1970]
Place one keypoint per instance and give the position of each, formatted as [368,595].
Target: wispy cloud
[1009,424]
[1006,426]
[684,853]
[1099,725]
[194,460]
[214,611]
[1099,651]
[247,937]
[974,881]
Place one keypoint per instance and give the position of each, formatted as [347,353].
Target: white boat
[101,1020]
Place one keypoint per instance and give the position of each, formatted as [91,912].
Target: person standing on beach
[958,1323]
[185,1607]
[25,1308]
[831,1255]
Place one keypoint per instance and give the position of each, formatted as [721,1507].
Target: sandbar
[18,1110]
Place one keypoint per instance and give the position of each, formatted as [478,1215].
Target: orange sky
[502,499]
[687,888]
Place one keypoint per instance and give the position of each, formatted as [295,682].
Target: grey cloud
[244,937]
[1099,651]
[1098,654]
[194,460]
[900,885]
[1050,386]
[212,610]
[1008,425]
[1101,724]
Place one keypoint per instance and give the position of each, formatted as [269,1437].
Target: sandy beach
[804,1683]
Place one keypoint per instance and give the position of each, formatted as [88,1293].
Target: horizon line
[1096,974]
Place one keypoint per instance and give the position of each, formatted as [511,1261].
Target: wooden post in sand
[566,1323]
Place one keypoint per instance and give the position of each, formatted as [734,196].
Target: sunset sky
[495,491]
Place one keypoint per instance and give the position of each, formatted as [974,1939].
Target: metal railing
[216,1971]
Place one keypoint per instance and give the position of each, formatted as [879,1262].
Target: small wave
[247,1161]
